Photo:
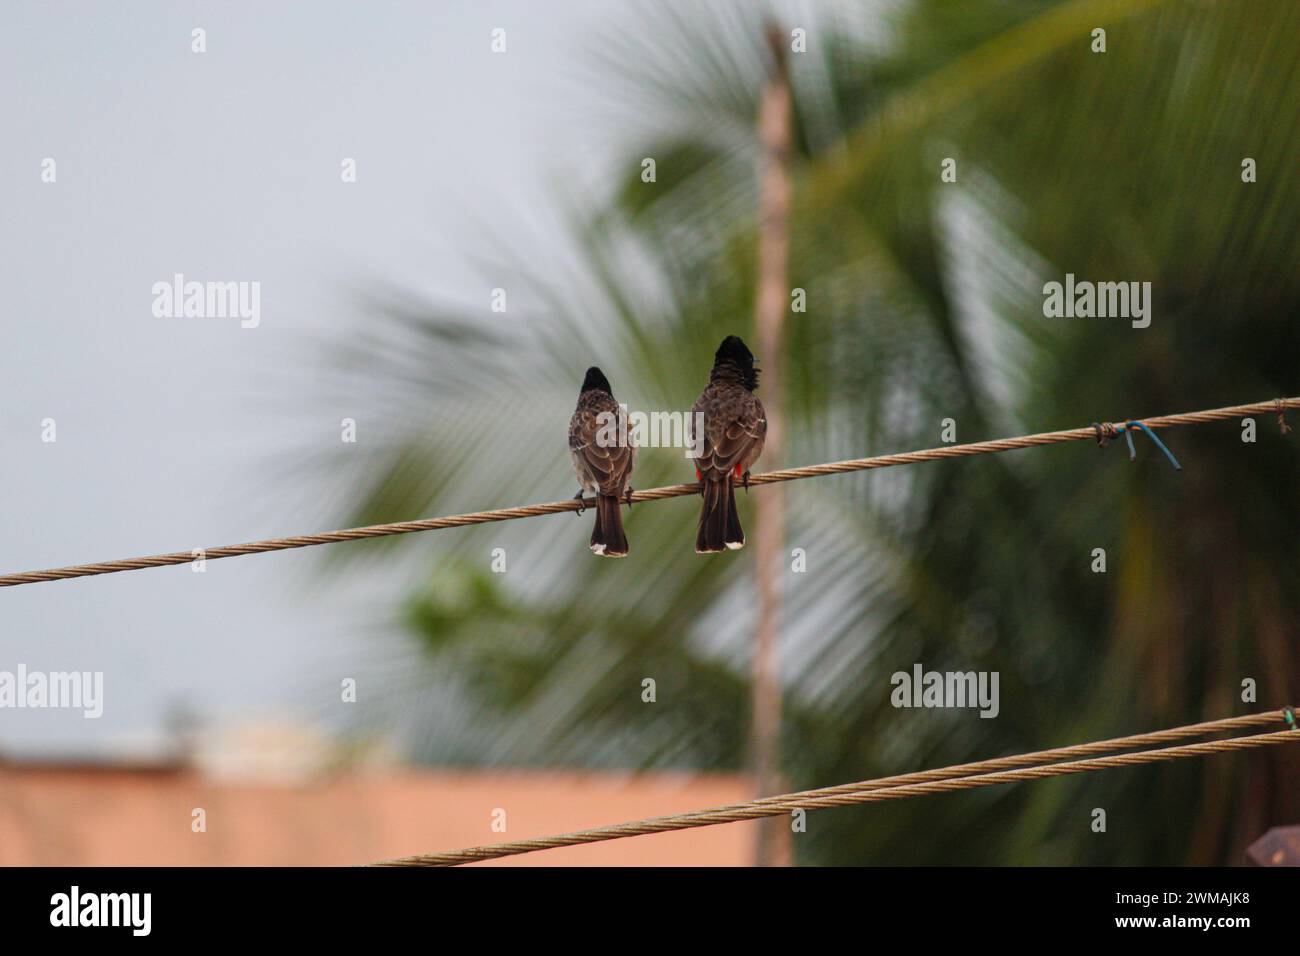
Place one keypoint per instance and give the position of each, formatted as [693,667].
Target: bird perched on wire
[734,427]
[603,456]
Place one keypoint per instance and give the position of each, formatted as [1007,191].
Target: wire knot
[1106,433]
[1279,409]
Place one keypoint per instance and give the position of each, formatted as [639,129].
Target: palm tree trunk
[773,847]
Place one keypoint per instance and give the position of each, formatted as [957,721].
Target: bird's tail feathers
[607,537]
[720,528]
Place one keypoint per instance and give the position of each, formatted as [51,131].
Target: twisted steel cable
[1274,406]
[969,776]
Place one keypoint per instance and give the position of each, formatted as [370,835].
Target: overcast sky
[171,432]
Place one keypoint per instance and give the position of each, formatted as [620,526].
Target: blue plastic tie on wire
[1106,432]
[1127,427]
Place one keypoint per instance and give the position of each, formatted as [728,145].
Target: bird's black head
[734,360]
[596,379]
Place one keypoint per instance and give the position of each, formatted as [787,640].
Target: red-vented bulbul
[602,458]
[734,428]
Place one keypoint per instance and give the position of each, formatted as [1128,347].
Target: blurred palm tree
[924,303]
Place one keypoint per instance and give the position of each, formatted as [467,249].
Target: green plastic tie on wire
[1289,715]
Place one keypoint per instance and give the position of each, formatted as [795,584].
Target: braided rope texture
[1275,406]
[969,776]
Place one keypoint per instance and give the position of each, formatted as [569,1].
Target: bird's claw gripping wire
[582,502]
[627,497]
[744,479]
[1107,432]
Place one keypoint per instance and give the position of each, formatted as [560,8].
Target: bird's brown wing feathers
[735,429]
[608,467]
